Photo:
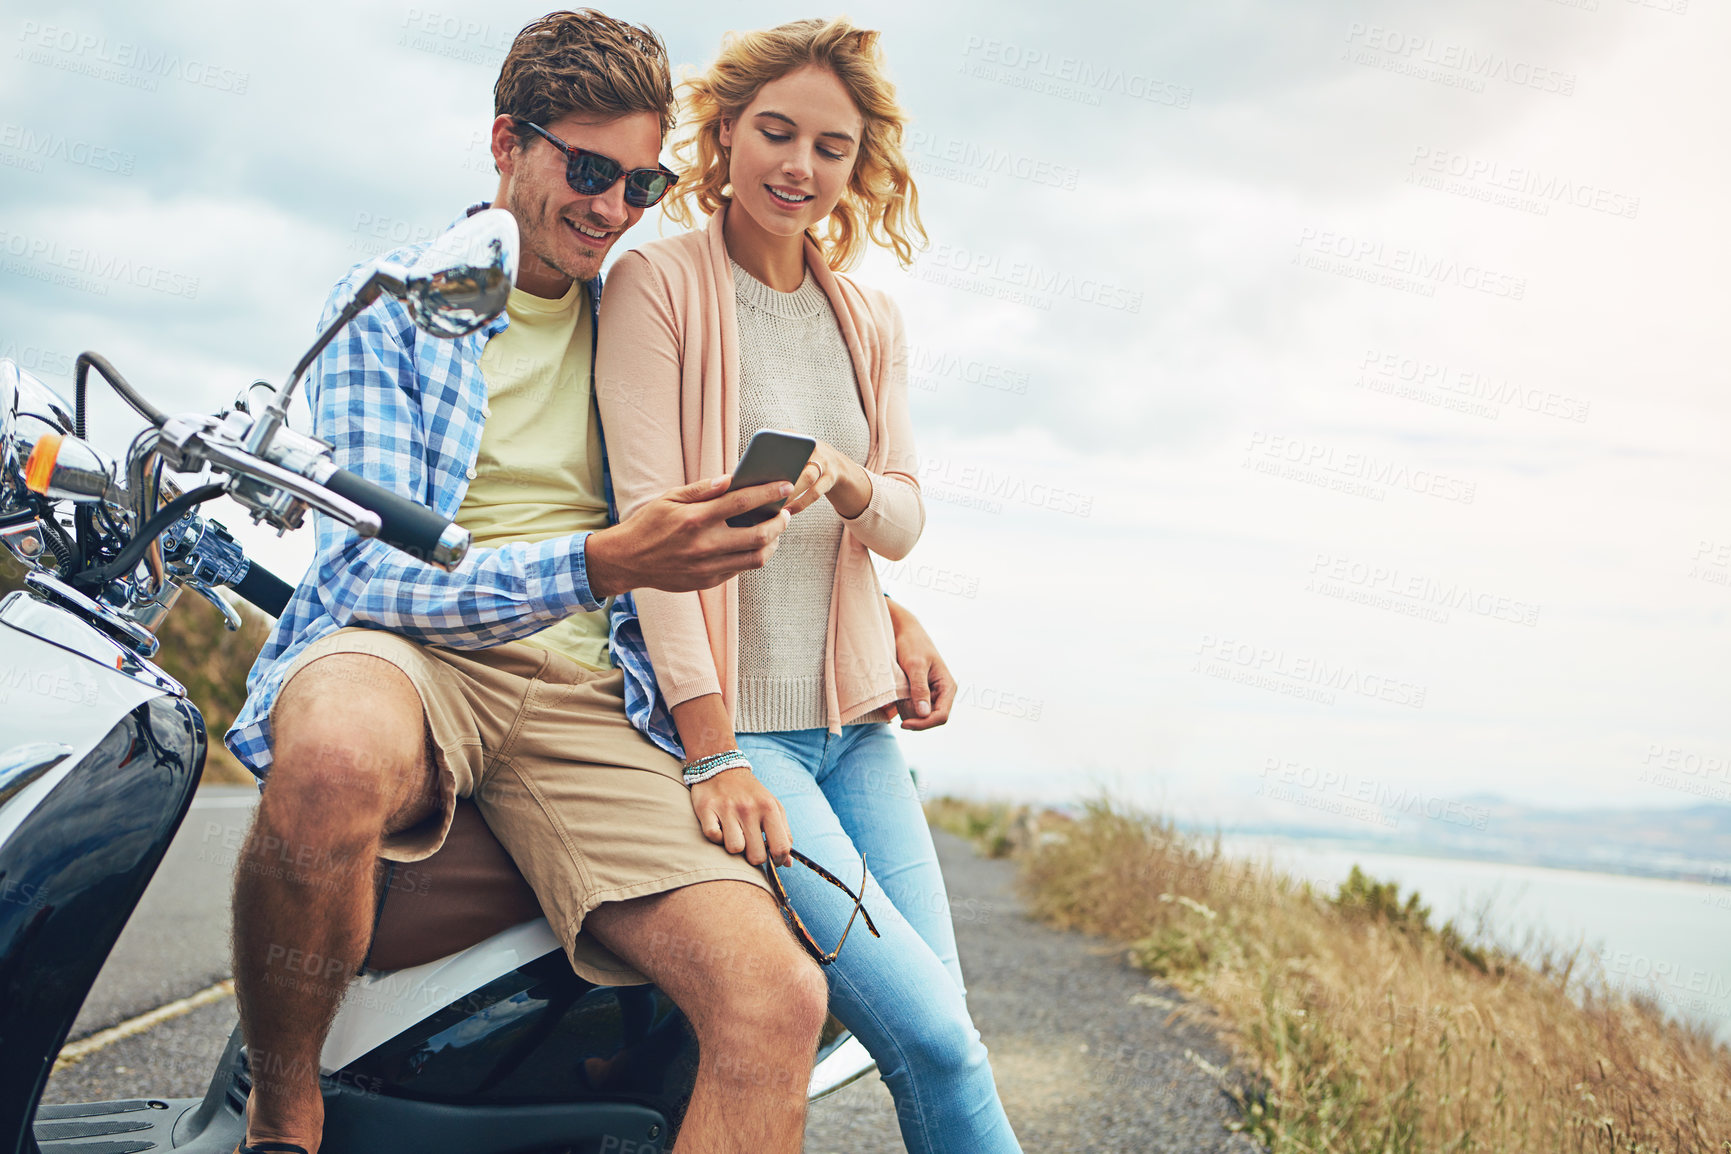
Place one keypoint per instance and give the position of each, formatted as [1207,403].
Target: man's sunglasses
[805,938]
[591,174]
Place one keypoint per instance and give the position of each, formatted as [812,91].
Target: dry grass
[199,652]
[1365,1029]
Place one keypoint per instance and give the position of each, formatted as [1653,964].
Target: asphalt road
[177,939]
[1085,1052]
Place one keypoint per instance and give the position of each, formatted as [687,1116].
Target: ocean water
[1669,940]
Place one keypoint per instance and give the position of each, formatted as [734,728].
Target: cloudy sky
[1315,393]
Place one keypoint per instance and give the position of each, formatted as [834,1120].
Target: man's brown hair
[584,62]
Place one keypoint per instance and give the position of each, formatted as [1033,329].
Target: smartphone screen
[769,456]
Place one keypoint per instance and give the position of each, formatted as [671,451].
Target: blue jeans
[901,994]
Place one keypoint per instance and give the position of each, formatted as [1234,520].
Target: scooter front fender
[78,842]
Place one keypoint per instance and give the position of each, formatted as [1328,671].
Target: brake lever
[200,441]
[362,521]
[230,617]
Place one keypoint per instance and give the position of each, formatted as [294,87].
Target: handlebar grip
[264,589]
[408,525]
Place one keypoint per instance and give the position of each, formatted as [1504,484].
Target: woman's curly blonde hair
[880,201]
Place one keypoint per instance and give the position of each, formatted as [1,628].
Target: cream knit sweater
[667,378]
[794,375]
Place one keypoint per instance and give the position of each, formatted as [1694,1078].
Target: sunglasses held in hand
[591,174]
[805,938]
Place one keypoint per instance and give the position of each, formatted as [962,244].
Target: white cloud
[1260,144]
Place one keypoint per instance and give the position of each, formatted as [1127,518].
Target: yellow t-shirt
[539,470]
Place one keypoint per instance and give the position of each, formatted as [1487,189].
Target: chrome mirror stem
[385,279]
[457,285]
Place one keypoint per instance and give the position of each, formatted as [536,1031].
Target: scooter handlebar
[264,589]
[405,524]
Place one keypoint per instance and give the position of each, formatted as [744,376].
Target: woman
[787,675]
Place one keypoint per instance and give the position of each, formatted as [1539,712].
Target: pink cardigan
[667,382]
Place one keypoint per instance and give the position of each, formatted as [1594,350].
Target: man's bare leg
[349,763]
[757,1002]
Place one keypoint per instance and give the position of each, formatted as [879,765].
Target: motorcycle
[466,1028]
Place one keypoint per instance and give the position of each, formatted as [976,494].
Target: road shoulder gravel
[1089,1054]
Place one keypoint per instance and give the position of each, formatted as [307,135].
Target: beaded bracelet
[705,768]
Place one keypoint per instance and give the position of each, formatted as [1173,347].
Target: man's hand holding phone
[771,455]
[682,541]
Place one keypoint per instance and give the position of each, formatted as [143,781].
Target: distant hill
[1690,844]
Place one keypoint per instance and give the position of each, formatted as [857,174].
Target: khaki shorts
[587,807]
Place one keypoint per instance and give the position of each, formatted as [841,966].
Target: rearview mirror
[454,288]
[464,278]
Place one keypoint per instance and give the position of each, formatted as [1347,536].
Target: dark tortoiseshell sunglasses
[805,938]
[591,174]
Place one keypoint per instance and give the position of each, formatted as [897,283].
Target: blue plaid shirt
[404,410]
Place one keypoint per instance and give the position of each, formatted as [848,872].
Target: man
[390,688]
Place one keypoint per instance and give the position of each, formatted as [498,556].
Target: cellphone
[770,456]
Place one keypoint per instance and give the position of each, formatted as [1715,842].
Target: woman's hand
[933,689]
[733,808]
[835,475]
[736,812]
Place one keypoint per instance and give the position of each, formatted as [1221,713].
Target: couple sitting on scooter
[640,765]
